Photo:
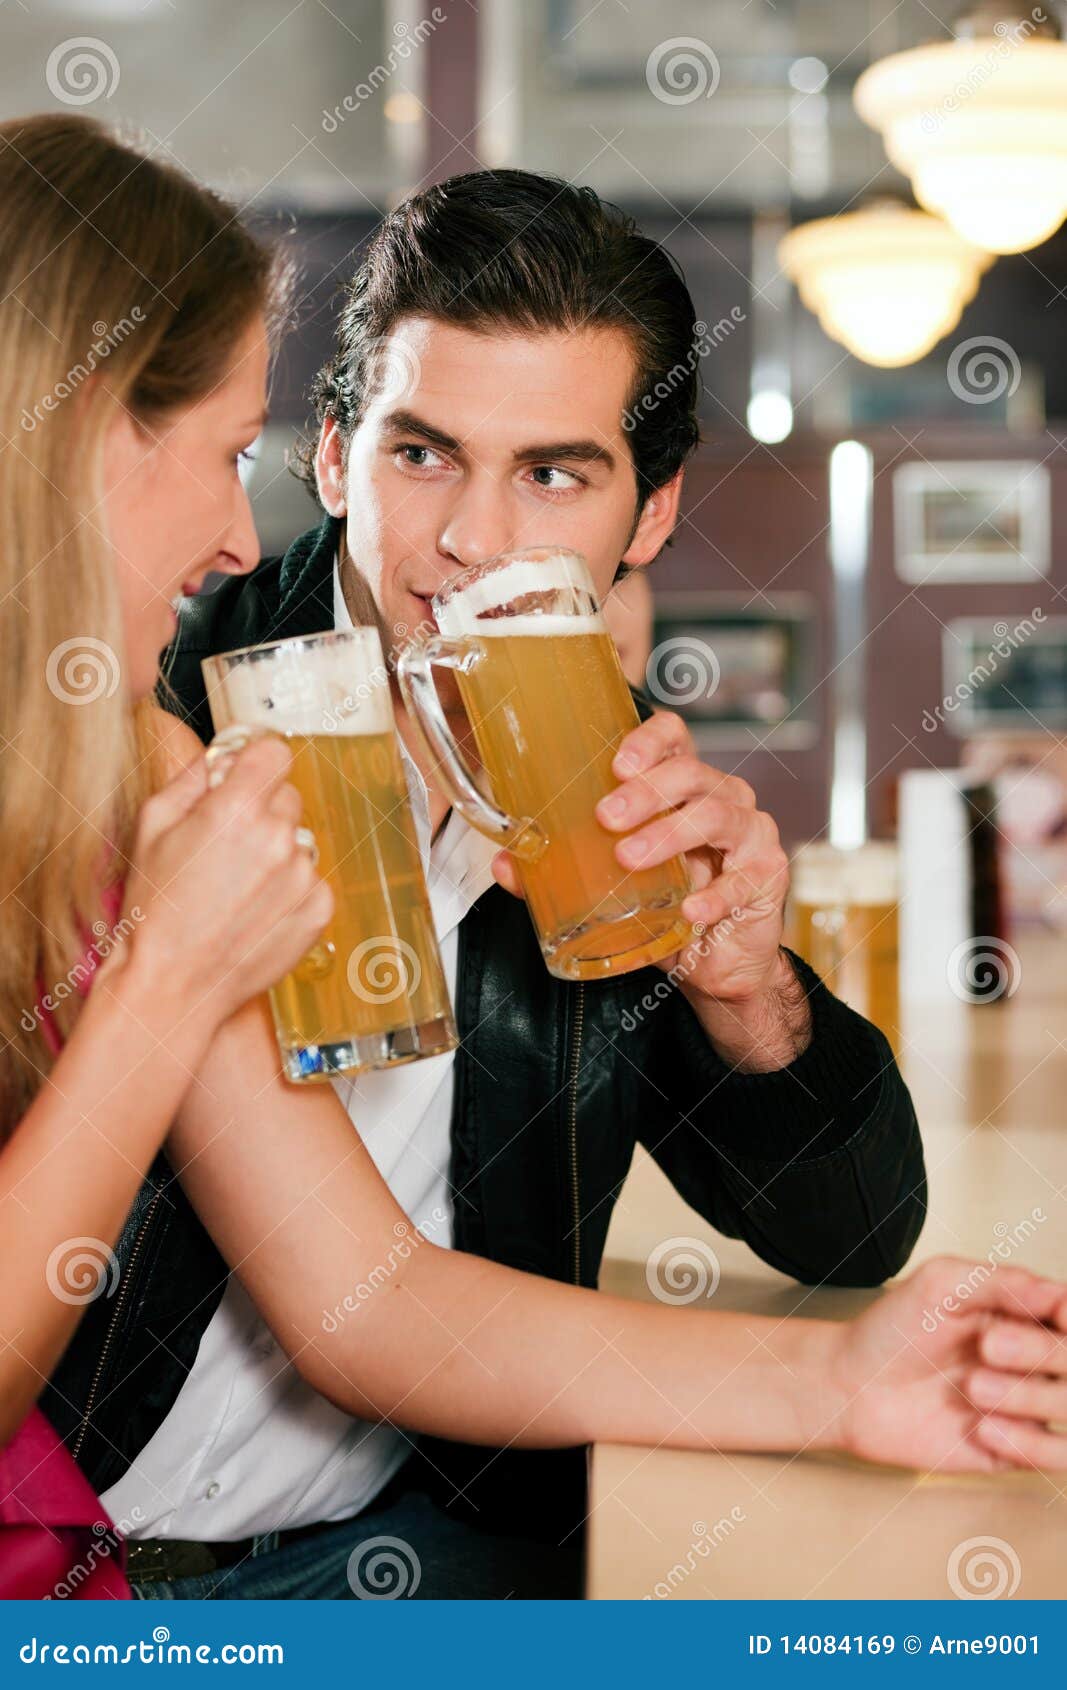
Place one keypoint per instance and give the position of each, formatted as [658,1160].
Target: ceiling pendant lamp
[979,125]
[886,281]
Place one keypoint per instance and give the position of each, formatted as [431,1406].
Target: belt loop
[264,1543]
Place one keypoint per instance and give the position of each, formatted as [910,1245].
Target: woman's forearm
[73,1165]
[391,1326]
[479,1353]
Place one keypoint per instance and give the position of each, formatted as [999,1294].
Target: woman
[120,490]
[218,898]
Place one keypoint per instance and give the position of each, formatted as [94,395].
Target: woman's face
[175,505]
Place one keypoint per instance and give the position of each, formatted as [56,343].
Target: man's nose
[479,525]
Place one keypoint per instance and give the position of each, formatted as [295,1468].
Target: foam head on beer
[541,593]
[328,686]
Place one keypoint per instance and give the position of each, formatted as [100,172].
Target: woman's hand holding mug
[225,884]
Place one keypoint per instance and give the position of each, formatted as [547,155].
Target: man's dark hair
[507,250]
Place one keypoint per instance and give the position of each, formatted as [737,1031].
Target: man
[488,392]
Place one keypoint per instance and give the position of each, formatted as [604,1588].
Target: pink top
[55,1538]
[56,1541]
[96,948]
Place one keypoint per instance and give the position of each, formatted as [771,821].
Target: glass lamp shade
[886,282]
[980,129]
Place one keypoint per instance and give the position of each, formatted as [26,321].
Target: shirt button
[213,1489]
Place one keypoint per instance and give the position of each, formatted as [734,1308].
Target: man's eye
[419,457]
[564,478]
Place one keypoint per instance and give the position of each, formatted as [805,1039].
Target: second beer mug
[539,678]
[844,918]
[372,991]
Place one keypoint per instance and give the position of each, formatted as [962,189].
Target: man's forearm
[762,1033]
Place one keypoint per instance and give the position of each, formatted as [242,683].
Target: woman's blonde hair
[122,284]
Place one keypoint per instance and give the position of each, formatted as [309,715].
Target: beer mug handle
[219,758]
[224,748]
[415,674]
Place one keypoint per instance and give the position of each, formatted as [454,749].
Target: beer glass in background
[372,992]
[540,680]
[844,920]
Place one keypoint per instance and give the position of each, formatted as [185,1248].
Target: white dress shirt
[248,1447]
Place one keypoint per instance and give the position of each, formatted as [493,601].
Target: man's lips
[423,600]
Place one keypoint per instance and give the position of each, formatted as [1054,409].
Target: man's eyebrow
[558,451]
[568,451]
[406,422]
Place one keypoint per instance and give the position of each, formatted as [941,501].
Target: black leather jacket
[818,1167]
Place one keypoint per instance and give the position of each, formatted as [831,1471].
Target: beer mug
[540,680]
[844,920]
[372,992]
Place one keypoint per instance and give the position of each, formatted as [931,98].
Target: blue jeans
[427,1556]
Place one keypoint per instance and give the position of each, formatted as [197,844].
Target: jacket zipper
[113,1323]
[576,1057]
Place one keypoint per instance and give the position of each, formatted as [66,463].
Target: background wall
[316,119]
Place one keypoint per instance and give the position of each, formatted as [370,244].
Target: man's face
[497,441]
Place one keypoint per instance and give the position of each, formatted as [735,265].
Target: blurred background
[863,611]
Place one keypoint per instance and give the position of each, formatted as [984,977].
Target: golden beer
[371,992]
[844,920]
[375,973]
[540,680]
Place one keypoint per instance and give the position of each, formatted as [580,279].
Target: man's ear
[329,469]
[659,515]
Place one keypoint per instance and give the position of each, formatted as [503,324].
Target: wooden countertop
[990,1089]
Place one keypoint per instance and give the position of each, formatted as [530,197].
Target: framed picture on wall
[740,673]
[971,521]
[1005,675]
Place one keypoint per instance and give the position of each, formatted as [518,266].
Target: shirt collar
[457,864]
